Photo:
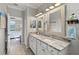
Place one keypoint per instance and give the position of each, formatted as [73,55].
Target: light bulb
[47,9]
[51,7]
[57,4]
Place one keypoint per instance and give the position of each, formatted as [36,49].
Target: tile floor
[15,48]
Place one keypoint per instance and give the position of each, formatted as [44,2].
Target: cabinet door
[52,51]
[30,41]
[41,48]
[38,47]
[34,45]
[44,49]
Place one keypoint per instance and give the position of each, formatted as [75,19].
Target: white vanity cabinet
[44,49]
[40,47]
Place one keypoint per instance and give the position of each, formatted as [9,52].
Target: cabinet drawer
[38,42]
[44,51]
[52,51]
[41,48]
[43,45]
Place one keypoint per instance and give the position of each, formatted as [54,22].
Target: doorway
[15,36]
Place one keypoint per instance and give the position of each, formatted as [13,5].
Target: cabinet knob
[43,50]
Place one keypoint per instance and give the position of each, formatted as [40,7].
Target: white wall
[28,16]
[14,12]
[73,8]
[2,33]
[3,7]
[2,41]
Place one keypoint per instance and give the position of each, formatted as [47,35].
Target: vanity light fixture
[47,9]
[51,7]
[57,4]
[38,14]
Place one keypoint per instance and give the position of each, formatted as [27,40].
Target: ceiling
[44,6]
[32,5]
[40,7]
[23,6]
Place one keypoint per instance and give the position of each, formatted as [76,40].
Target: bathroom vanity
[48,24]
[43,45]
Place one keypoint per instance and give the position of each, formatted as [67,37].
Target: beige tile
[15,48]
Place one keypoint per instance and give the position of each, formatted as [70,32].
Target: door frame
[22,39]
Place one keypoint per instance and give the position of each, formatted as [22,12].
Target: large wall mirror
[33,24]
[40,23]
[57,21]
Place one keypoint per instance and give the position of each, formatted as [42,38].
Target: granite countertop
[57,44]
